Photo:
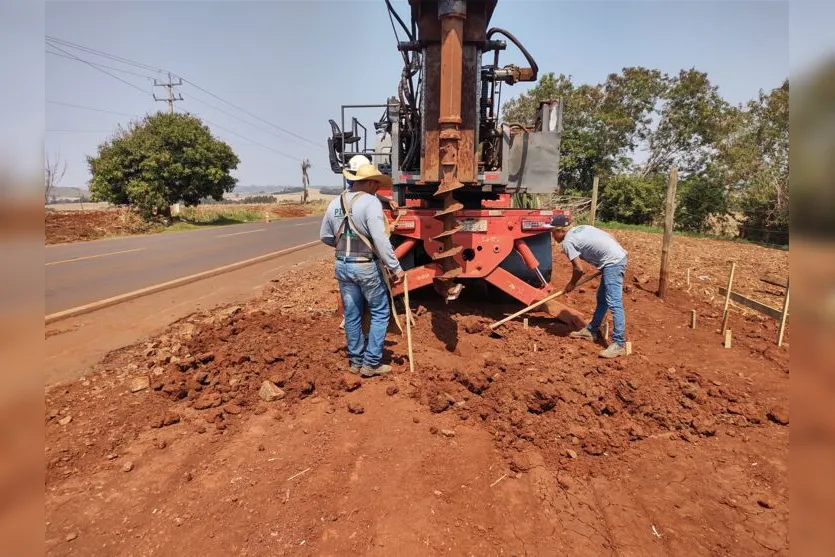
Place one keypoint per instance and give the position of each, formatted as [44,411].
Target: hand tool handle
[544,300]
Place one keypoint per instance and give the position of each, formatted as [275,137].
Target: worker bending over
[597,248]
[354,224]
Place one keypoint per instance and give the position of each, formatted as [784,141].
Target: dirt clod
[392,390]
[779,415]
[355,408]
[766,502]
[127,466]
[448,433]
[350,382]
[71,536]
[269,392]
[65,420]
[139,384]
[171,418]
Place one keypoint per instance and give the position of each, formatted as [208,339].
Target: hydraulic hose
[514,40]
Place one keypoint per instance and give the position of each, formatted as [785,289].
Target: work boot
[355,369]
[382,369]
[614,350]
[585,334]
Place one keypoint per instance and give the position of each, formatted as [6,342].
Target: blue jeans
[361,284]
[610,297]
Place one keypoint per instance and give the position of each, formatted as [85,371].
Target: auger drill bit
[452,14]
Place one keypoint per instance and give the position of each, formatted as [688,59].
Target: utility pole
[171,98]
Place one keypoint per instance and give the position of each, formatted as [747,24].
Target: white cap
[356,162]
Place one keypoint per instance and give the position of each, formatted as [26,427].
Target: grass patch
[614,225]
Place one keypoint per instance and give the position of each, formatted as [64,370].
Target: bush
[632,199]
[699,197]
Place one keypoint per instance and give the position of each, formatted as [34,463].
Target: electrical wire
[103,54]
[245,138]
[100,65]
[128,83]
[90,108]
[128,61]
[297,159]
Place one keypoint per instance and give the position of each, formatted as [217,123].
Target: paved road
[84,272]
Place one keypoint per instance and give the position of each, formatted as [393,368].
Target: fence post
[593,213]
[785,314]
[669,214]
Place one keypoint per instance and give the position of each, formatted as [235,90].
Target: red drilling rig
[458,171]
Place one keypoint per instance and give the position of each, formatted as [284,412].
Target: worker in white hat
[353,165]
[354,224]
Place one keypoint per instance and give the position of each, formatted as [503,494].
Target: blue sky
[294,67]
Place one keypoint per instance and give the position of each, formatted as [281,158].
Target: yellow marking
[91,256]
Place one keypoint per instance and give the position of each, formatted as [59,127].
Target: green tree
[692,118]
[754,161]
[162,160]
[632,198]
[699,196]
[603,123]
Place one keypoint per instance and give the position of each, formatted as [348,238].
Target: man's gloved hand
[397,277]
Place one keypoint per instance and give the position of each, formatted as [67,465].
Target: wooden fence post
[784,316]
[593,213]
[728,298]
[669,210]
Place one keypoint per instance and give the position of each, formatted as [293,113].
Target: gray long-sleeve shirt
[367,214]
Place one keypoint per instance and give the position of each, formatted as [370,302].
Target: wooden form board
[753,304]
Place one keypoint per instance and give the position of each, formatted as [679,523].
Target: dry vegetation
[81,226]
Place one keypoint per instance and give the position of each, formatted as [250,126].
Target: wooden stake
[606,330]
[728,297]
[408,323]
[728,338]
[525,323]
[669,214]
[688,279]
[692,318]
[784,316]
[628,347]
[593,211]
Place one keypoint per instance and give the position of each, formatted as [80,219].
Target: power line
[101,70]
[114,68]
[193,84]
[60,103]
[255,126]
[78,131]
[103,54]
[252,141]
[249,113]
[91,108]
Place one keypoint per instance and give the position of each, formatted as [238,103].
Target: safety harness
[365,252]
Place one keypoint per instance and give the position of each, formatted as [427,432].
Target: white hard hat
[356,162]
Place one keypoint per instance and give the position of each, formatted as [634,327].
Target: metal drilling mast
[455,167]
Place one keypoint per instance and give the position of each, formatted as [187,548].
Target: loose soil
[81,226]
[524,444]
